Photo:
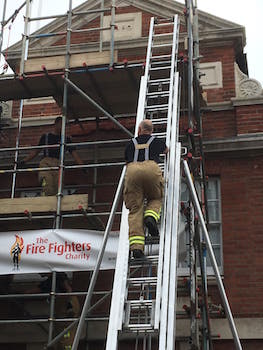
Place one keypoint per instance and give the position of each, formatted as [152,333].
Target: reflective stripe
[153,214]
[145,146]
[67,335]
[137,240]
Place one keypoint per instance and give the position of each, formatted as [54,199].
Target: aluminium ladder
[144,293]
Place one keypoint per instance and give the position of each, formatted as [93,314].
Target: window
[214,229]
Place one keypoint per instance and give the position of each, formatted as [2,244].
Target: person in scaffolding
[49,179]
[143,182]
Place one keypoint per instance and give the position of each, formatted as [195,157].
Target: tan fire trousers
[48,179]
[143,180]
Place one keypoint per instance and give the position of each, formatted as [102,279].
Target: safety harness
[46,151]
[138,147]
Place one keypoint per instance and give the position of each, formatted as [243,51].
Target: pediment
[166,8]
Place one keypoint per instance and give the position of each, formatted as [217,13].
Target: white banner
[54,250]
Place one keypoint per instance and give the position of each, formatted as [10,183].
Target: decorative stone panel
[246,87]
[6,111]
[128,26]
[211,75]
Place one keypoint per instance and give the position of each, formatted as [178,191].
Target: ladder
[144,293]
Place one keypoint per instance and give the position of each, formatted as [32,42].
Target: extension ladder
[144,293]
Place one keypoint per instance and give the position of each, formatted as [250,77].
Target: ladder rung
[162,35]
[139,327]
[152,240]
[142,280]
[157,108]
[160,134]
[155,57]
[151,259]
[163,24]
[162,45]
[159,121]
[159,81]
[161,62]
[139,303]
[160,68]
[158,93]
[164,20]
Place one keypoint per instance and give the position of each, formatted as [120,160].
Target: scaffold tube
[82,93]
[99,260]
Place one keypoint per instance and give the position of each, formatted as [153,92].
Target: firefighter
[66,306]
[49,179]
[143,181]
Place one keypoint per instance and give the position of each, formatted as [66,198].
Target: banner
[54,250]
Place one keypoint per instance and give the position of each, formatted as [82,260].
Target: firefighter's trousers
[49,179]
[143,181]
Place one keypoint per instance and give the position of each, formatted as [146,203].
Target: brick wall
[242,207]
[226,55]
[34,110]
[219,125]
[249,119]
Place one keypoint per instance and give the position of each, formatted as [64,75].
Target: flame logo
[16,251]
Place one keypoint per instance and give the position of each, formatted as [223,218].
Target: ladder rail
[119,283]
[172,302]
[168,139]
[169,215]
[164,288]
[172,71]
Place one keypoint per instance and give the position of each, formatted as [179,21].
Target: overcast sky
[246,13]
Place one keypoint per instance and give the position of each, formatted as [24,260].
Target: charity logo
[16,251]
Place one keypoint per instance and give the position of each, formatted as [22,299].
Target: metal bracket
[184,151]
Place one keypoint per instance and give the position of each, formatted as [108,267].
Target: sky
[246,13]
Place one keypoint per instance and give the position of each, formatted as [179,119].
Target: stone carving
[6,109]
[246,87]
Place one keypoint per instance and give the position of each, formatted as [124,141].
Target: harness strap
[46,152]
[138,147]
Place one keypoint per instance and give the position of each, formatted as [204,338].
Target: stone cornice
[240,144]
[212,28]
[247,101]
[213,38]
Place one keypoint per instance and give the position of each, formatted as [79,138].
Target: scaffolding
[70,79]
[63,80]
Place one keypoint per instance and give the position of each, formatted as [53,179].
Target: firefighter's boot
[138,254]
[151,224]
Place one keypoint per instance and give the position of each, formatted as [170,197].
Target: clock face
[250,88]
